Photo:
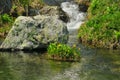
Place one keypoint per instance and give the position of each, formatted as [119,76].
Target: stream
[95,64]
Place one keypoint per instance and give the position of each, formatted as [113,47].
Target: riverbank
[102,29]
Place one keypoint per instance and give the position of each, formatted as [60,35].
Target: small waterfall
[76,17]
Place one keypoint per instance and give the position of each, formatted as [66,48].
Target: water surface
[94,65]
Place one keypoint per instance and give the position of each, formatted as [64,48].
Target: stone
[49,10]
[35,33]
[5,6]
[55,2]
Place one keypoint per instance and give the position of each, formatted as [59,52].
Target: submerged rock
[35,32]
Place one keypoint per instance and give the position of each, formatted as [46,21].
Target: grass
[57,51]
[103,26]
[6,22]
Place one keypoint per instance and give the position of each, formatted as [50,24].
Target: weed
[5,18]
[63,52]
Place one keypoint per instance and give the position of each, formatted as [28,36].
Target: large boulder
[35,33]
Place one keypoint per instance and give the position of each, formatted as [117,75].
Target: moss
[103,25]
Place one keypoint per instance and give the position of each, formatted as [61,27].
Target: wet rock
[85,2]
[83,5]
[54,10]
[49,10]
[5,6]
[15,12]
[35,33]
[55,2]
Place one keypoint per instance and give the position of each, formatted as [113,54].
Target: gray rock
[5,6]
[54,10]
[49,10]
[34,33]
[55,2]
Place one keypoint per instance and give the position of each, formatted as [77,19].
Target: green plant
[41,3]
[25,4]
[5,18]
[103,22]
[117,34]
[6,22]
[63,52]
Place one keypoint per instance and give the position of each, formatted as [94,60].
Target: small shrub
[64,52]
[5,18]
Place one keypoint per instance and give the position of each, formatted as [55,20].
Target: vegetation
[59,51]
[18,8]
[5,18]
[25,4]
[6,22]
[103,26]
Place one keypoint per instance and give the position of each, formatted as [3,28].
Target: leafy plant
[117,34]
[5,18]
[103,22]
[25,4]
[59,51]
[6,22]
[41,3]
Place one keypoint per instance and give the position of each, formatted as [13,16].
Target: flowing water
[95,64]
[76,17]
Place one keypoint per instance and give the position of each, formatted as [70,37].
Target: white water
[76,17]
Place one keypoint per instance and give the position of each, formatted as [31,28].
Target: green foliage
[103,23]
[99,7]
[6,22]
[25,2]
[41,2]
[5,18]
[63,52]
[117,34]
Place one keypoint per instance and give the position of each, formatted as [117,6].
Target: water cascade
[76,17]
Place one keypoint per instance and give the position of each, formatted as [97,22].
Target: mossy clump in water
[63,52]
[103,26]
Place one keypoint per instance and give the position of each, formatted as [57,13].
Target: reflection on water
[94,65]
